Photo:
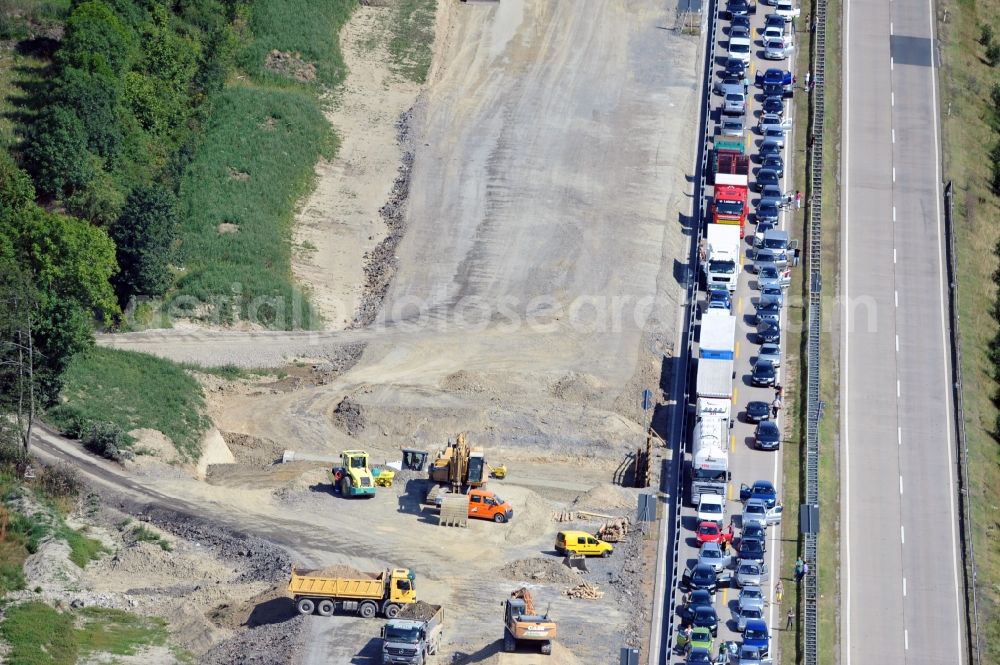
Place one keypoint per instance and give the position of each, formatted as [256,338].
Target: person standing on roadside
[798,569]
[789,619]
[779,591]
[775,407]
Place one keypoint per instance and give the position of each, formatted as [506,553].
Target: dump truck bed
[304,584]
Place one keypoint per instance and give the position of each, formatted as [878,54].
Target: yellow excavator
[459,466]
[522,623]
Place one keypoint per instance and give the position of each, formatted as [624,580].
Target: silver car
[728,85]
[766,255]
[711,554]
[774,134]
[754,513]
[773,121]
[774,49]
[735,102]
[751,574]
[732,126]
[771,276]
[751,596]
[744,614]
[770,353]
[749,655]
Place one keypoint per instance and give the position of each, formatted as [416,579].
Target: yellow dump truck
[385,592]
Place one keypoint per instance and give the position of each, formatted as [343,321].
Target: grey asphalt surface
[900,577]
[746,463]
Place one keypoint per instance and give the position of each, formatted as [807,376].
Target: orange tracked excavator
[522,623]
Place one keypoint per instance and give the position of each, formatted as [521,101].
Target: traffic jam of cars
[746,169]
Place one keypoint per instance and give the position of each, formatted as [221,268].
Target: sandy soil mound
[340,570]
[252,450]
[154,443]
[269,606]
[604,497]
[532,516]
[540,569]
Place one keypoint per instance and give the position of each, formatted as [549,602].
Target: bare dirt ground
[339,222]
[534,292]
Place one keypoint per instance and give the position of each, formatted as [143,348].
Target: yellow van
[581,542]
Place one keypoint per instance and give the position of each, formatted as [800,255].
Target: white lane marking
[894,140]
[904,587]
[906,639]
[902,534]
[890,27]
[895,295]
[901,484]
[892,99]
[899,436]
[956,632]
[894,213]
[897,387]
[897,343]
[894,174]
[893,254]
[891,63]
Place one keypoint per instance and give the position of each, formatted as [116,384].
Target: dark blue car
[773,106]
[761,489]
[767,214]
[719,299]
[774,76]
[756,635]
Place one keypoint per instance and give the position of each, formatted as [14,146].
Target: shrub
[107,440]
[985,34]
[993,54]
[60,480]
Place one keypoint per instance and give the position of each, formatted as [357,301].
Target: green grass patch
[83,550]
[133,390]
[142,534]
[828,543]
[969,133]
[116,632]
[41,635]
[274,137]
[297,26]
[412,43]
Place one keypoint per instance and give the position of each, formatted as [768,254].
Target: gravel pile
[348,417]
[265,645]
[259,560]
[380,262]
[628,581]
[418,611]
[539,569]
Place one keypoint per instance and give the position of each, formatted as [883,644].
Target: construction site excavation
[451,469]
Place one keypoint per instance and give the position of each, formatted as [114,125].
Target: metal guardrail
[814,195]
[965,524]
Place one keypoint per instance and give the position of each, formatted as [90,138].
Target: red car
[709,532]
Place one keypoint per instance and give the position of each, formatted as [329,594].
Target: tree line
[88,199]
